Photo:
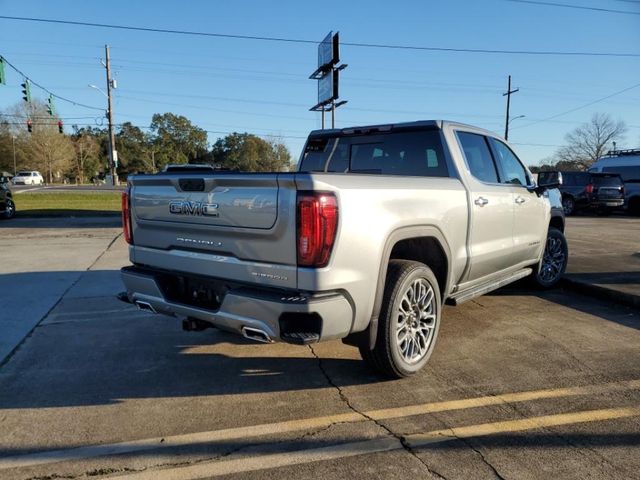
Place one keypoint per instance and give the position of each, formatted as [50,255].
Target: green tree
[7,141]
[249,153]
[176,140]
[134,149]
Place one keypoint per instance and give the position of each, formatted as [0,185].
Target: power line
[315,42]
[581,106]
[579,7]
[33,82]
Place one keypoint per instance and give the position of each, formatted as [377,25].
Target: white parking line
[242,433]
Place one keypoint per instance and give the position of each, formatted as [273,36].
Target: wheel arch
[557,222]
[426,244]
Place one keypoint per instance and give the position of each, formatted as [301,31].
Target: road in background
[66,188]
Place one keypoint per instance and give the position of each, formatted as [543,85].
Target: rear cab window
[409,153]
[603,180]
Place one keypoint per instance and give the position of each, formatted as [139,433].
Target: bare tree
[87,159]
[590,141]
[44,149]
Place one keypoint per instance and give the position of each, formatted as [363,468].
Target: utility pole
[113,155]
[508,95]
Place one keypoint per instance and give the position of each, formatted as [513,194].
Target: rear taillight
[317,225]
[589,189]
[126,218]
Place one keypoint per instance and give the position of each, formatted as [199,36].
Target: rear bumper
[611,203]
[271,311]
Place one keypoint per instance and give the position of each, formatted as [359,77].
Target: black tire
[9,210]
[569,206]
[387,356]
[554,260]
[634,206]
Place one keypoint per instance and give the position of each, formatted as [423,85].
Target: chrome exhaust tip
[145,306]
[256,334]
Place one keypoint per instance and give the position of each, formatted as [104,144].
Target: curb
[604,293]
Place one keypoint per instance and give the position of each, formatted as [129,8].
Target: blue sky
[225,85]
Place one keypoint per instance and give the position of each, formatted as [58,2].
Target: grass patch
[66,204]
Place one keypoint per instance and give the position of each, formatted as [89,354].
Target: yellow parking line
[241,433]
[269,461]
[511,426]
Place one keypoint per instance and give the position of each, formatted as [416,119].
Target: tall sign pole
[113,154]
[508,94]
[328,76]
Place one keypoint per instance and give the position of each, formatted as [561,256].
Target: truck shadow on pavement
[92,349]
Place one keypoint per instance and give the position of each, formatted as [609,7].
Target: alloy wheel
[416,321]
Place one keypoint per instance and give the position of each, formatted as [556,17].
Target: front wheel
[554,260]
[409,321]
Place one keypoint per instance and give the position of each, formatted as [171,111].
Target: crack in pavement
[390,432]
[101,471]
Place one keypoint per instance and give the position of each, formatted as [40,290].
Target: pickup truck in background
[365,242]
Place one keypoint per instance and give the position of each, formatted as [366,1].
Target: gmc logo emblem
[179,207]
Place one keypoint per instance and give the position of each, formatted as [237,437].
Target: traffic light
[3,75]
[60,125]
[26,90]
[51,107]
[29,126]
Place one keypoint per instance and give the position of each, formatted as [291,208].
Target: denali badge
[183,207]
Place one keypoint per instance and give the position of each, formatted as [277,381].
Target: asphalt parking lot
[522,384]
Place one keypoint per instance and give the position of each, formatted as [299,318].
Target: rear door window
[607,180]
[478,156]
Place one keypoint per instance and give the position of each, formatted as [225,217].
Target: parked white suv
[28,178]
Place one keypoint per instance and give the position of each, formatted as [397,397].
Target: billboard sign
[328,87]
[329,51]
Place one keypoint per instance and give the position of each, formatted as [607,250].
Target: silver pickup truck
[378,228]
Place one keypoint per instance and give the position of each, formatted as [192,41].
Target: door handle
[481,201]
[520,200]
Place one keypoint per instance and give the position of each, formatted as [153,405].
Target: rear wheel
[409,320]
[9,209]
[554,260]
[568,205]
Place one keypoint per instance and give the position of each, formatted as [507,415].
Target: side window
[568,180]
[512,170]
[478,156]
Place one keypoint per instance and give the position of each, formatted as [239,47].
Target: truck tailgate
[238,226]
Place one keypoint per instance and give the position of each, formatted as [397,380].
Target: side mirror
[548,180]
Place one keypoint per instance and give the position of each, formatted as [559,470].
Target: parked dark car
[602,192]
[7,207]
